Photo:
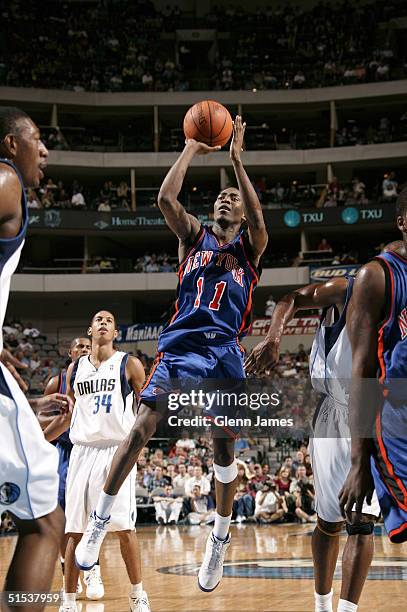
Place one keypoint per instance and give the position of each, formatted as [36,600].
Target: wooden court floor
[268,569]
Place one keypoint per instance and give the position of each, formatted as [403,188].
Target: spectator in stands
[185,442]
[202,505]
[270,306]
[359,189]
[77,200]
[283,481]
[324,245]
[243,504]
[389,187]
[167,506]
[157,480]
[31,331]
[305,503]
[269,505]
[32,201]
[104,206]
[197,479]
[299,459]
[180,479]
[300,478]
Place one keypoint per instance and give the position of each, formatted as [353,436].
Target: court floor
[268,569]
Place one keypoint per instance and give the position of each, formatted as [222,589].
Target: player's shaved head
[10,118]
[401,205]
[79,340]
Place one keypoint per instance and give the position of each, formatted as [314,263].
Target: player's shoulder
[10,184]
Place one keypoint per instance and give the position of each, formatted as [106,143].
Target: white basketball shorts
[28,463]
[331,461]
[87,473]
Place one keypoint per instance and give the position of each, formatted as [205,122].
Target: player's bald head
[401,212]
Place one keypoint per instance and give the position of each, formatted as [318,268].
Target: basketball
[209,122]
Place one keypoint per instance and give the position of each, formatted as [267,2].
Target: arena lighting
[194,188]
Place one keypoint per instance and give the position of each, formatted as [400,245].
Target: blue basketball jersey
[64,437]
[10,251]
[215,293]
[392,341]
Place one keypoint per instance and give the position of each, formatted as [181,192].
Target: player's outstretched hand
[12,363]
[54,402]
[200,148]
[358,486]
[263,357]
[236,146]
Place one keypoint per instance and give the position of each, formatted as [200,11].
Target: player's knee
[225,474]
[52,525]
[360,528]
[140,435]
[126,536]
[328,528]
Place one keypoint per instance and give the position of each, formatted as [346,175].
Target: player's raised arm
[317,295]
[365,312]
[184,225]
[251,206]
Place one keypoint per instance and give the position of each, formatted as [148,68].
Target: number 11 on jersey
[214,304]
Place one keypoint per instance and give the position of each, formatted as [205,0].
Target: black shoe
[171,523]
[160,520]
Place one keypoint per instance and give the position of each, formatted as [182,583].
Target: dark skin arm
[184,225]
[364,316]
[251,206]
[60,423]
[318,295]
[10,198]
[135,374]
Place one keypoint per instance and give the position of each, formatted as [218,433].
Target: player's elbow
[164,200]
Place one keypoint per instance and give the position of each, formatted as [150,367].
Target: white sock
[221,527]
[346,606]
[136,590]
[69,597]
[104,506]
[323,603]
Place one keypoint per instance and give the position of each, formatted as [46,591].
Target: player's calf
[325,550]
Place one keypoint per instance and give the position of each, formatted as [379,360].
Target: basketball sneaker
[211,570]
[139,604]
[87,551]
[70,607]
[94,583]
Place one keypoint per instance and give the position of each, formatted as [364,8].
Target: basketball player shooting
[102,385]
[377,328]
[217,276]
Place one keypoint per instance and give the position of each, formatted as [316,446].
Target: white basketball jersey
[103,412]
[10,251]
[331,356]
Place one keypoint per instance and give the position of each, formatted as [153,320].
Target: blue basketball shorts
[64,451]
[210,368]
[389,469]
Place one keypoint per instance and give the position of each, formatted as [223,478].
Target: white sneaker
[79,587]
[211,570]
[139,604]
[87,551]
[70,607]
[94,584]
